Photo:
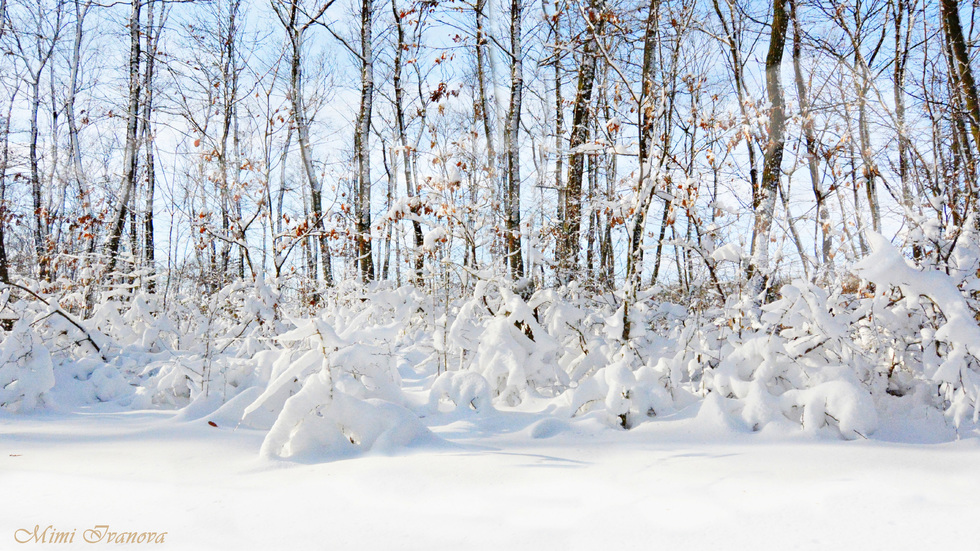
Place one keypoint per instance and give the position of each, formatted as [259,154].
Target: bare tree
[35,43]
[154,29]
[296,21]
[132,123]
[764,202]
[82,9]
[512,196]
[569,243]
[11,92]
[812,146]
[962,73]
[362,145]
[402,46]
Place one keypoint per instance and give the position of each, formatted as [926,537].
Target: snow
[432,239]
[731,252]
[26,372]
[495,417]
[508,481]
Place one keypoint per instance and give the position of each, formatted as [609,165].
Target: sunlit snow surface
[500,481]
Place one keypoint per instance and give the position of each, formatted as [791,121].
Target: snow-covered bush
[933,306]
[799,364]
[210,351]
[334,390]
[321,421]
[462,389]
[516,355]
[620,395]
[825,358]
[26,370]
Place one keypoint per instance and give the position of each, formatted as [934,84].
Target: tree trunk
[569,241]
[855,184]
[41,50]
[130,152]
[898,85]
[512,203]
[389,202]
[869,167]
[764,204]
[81,10]
[607,258]
[559,121]
[362,146]
[278,246]
[39,218]
[4,163]
[812,154]
[732,41]
[57,185]
[407,153]
[152,39]
[303,137]
[645,182]
[963,71]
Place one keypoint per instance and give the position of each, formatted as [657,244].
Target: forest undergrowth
[373,367]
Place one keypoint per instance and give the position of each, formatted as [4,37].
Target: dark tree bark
[963,73]
[132,142]
[555,21]
[407,153]
[4,163]
[765,201]
[152,41]
[569,241]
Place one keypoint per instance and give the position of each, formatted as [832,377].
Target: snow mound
[547,428]
[26,371]
[322,423]
[462,389]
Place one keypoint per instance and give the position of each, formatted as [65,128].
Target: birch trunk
[362,146]
[512,203]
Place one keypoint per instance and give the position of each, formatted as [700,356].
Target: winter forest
[347,228]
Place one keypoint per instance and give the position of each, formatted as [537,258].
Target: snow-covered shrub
[820,357]
[622,385]
[211,350]
[335,389]
[516,355]
[935,307]
[496,334]
[798,364]
[321,421]
[463,389]
[563,348]
[137,324]
[26,370]
[622,396]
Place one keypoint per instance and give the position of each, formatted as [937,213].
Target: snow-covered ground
[504,481]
